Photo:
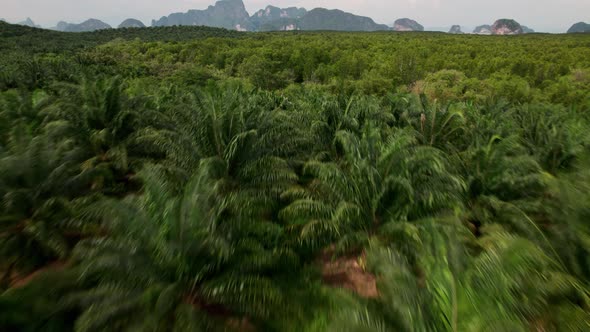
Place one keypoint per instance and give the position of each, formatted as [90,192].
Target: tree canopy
[190,178]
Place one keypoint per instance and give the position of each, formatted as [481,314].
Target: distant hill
[483,30]
[456,29]
[334,19]
[232,14]
[28,22]
[406,24]
[579,27]
[283,24]
[274,18]
[86,26]
[506,27]
[61,26]
[229,14]
[131,23]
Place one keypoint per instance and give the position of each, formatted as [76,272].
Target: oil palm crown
[99,119]
[439,126]
[419,293]
[222,130]
[379,180]
[21,109]
[505,185]
[487,120]
[565,213]
[457,292]
[513,270]
[36,208]
[173,259]
[35,303]
[200,124]
[487,165]
[553,135]
[343,113]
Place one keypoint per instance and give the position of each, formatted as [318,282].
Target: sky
[541,15]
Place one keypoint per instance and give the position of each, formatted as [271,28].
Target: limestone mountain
[282,24]
[579,27]
[526,29]
[232,14]
[275,18]
[406,24]
[483,30]
[61,26]
[28,22]
[335,19]
[506,27]
[229,14]
[456,29]
[86,26]
[131,23]
[317,19]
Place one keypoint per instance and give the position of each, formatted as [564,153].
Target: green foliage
[37,209]
[191,178]
[184,253]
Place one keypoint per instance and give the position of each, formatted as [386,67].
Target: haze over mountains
[131,23]
[28,22]
[579,27]
[86,26]
[232,14]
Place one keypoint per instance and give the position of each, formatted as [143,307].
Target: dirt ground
[347,272]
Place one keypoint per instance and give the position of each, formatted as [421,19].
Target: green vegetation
[189,178]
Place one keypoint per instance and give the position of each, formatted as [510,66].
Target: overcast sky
[542,15]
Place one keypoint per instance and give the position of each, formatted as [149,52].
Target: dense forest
[199,179]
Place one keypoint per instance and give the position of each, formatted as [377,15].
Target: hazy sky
[542,15]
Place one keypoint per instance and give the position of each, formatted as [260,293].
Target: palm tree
[224,132]
[36,303]
[512,285]
[175,262]
[21,109]
[335,114]
[100,120]
[378,181]
[554,135]
[564,215]
[443,127]
[512,271]
[38,213]
[505,185]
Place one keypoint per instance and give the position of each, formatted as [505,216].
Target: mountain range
[232,14]
[86,26]
[228,14]
[579,27]
[28,22]
[275,18]
[131,23]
